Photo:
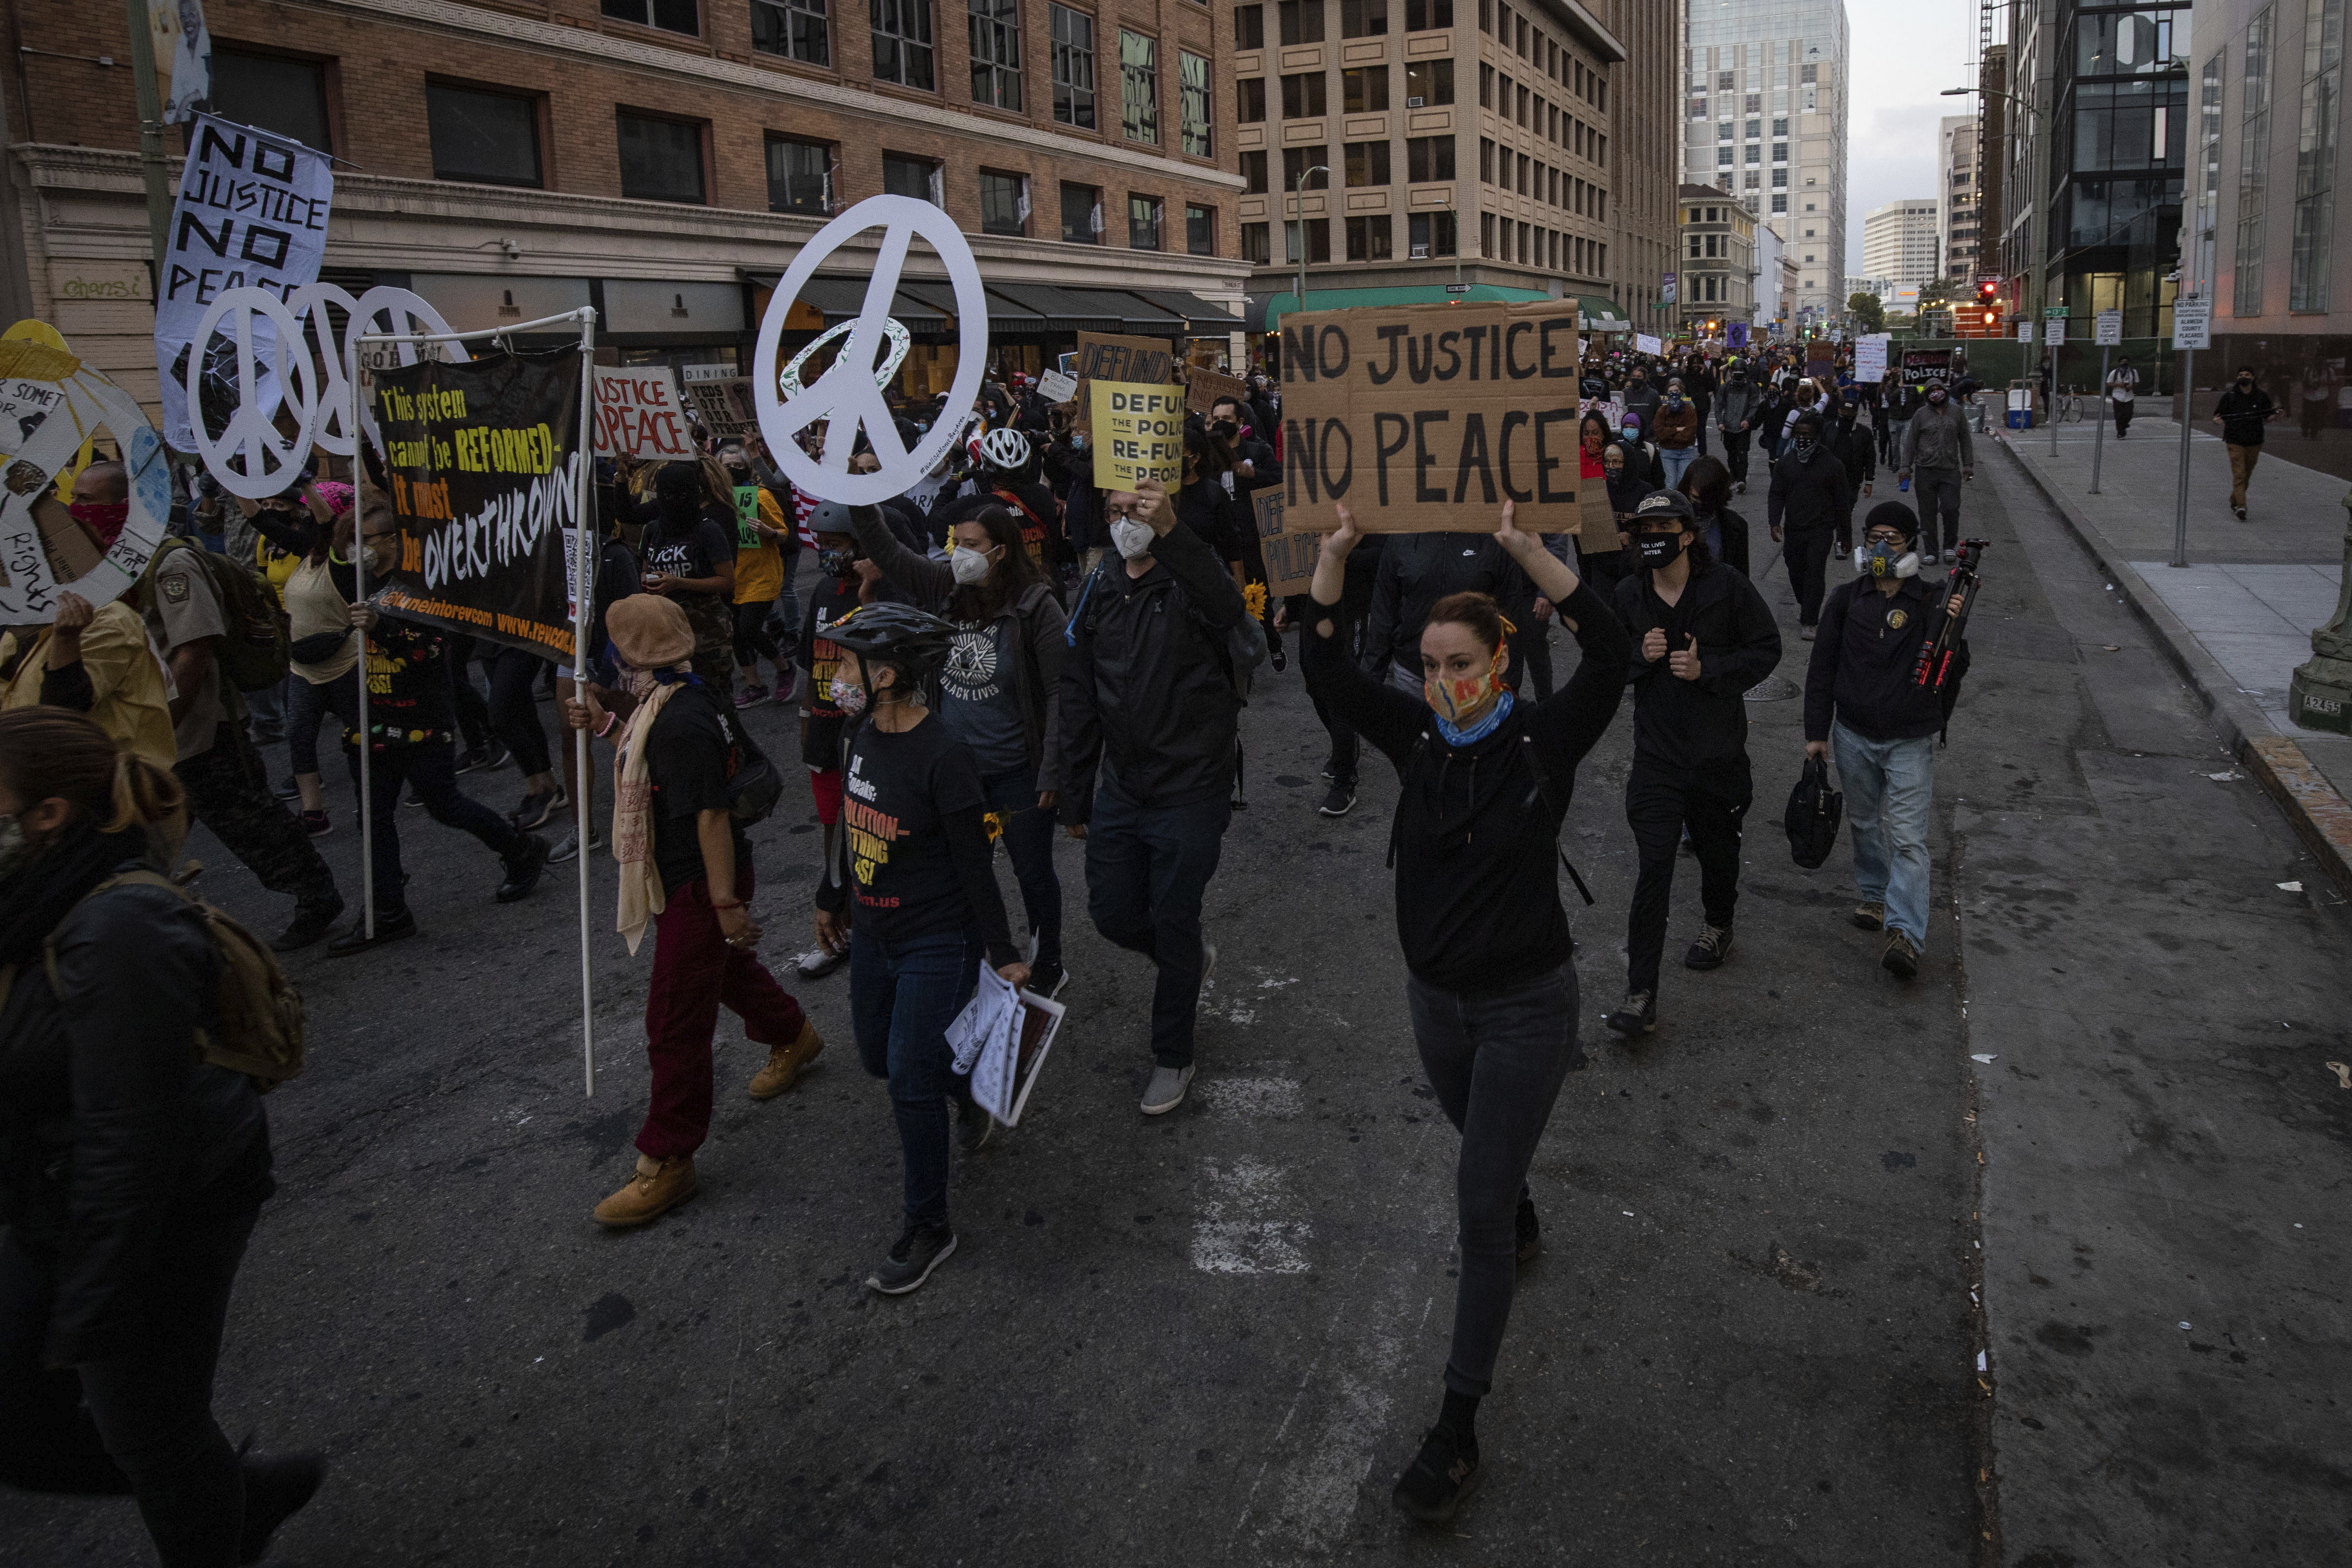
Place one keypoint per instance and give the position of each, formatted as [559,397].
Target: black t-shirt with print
[694,551]
[899,790]
[693,750]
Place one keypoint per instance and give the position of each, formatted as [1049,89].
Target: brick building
[663,159]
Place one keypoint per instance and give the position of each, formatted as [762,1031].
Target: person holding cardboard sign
[1484,780]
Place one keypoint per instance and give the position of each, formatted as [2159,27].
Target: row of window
[1534,246]
[802,177]
[1723,132]
[1723,155]
[1534,177]
[1511,100]
[1363,163]
[1302,21]
[1371,236]
[1365,90]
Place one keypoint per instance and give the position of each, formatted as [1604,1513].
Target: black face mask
[1657,549]
[1225,428]
[679,509]
[1803,447]
[2245,384]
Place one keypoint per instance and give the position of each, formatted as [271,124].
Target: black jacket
[2243,414]
[1807,495]
[1419,569]
[1733,528]
[1477,884]
[1856,446]
[1862,664]
[111,1129]
[1685,726]
[1147,690]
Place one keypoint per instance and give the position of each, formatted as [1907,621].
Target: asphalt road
[1755,1337]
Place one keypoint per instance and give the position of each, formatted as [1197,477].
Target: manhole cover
[1774,688]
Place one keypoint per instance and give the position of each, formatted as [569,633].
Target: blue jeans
[1147,871]
[1029,841]
[1889,787]
[902,998]
[1676,460]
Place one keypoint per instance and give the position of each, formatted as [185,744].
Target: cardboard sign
[1289,557]
[1055,387]
[1428,417]
[1139,434]
[1203,387]
[640,414]
[1644,343]
[1870,357]
[1145,361]
[722,404]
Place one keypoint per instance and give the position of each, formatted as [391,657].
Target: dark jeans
[902,998]
[1937,492]
[1602,568]
[228,791]
[305,705]
[139,1424]
[1808,555]
[1029,842]
[1658,806]
[1147,871]
[514,707]
[473,713]
[752,642]
[2123,416]
[1496,1060]
[430,769]
[1735,452]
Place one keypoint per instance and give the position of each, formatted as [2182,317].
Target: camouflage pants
[228,791]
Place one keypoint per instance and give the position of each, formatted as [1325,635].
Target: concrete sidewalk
[2239,618]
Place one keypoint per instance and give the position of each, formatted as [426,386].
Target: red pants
[696,974]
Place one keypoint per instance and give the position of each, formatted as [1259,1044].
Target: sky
[1905,52]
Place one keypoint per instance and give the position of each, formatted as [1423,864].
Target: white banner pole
[359,592]
[584,574]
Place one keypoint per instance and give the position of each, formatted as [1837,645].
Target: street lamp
[2038,235]
[1298,217]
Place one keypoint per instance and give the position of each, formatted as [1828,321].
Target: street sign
[2054,312]
[2110,329]
[2192,324]
[1457,287]
[2057,333]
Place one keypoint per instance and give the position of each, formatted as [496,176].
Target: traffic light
[1988,316]
[1988,291]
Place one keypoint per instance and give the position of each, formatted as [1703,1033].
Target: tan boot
[659,1186]
[784,1063]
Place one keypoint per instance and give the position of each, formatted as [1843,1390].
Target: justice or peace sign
[846,397]
[269,461]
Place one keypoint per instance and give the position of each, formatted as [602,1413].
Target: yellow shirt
[760,572]
[126,681]
[275,565]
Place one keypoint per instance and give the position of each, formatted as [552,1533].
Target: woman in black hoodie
[130,1170]
[1485,779]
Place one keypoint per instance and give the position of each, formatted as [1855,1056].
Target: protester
[1737,409]
[685,870]
[1809,500]
[1856,449]
[913,900]
[839,589]
[1640,399]
[1600,540]
[1417,570]
[1000,691]
[92,661]
[616,579]
[1707,483]
[1149,738]
[1864,710]
[687,553]
[1007,476]
[1702,635]
[132,1169]
[1902,401]
[323,648]
[2123,390]
[759,539]
[1341,767]
[1677,431]
[2242,412]
[1485,780]
[1938,453]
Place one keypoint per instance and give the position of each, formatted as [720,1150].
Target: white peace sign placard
[43,423]
[846,396]
[272,461]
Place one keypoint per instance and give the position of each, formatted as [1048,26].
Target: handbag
[1815,811]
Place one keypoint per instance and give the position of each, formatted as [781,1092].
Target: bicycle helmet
[1005,450]
[915,641]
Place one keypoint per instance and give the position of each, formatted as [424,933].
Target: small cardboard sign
[640,414]
[722,404]
[1203,387]
[1139,434]
[1289,557]
[1056,387]
[1146,361]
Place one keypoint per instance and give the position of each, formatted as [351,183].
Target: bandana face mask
[104,518]
[1803,447]
[835,562]
[1459,699]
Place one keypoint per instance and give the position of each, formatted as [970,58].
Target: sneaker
[1929,559]
[751,695]
[2240,512]
[1638,1016]
[1530,1234]
[524,870]
[816,963]
[1047,979]
[1339,801]
[1739,487]
[1329,770]
[289,790]
[1166,1090]
[414,798]
[1869,917]
[911,1258]
[1280,660]
[316,824]
[1901,958]
[975,1128]
[567,848]
[785,1062]
[656,1187]
[1809,633]
[276,1489]
[1439,1479]
[537,807]
[310,923]
[388,928]
[1712,946]
[482,758]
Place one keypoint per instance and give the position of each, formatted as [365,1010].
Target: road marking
[1241,1229]
[1272,1098]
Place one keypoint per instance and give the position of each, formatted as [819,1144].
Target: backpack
[754,786]
[1815,810]
[256,644]
[258,1030]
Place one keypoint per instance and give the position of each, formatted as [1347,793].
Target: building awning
[1601,315]
[1060,309]
[1282,305]
[1201,316]
[840,300]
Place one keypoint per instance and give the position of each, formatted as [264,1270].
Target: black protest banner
[483,460]
[1428,417]
[1921,366]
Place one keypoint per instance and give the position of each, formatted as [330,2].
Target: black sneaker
[1439,1479]
[920,1249]
[1047,979]
[310,923]
[388,928]
[482,758]
[1638,1016]
[412,798]
[523,871]
[289,790]
[537,807]
[1712,946]
[1530,1234]
[276,1489]
[1340,801]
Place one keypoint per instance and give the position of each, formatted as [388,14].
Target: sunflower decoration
[1254,595]
[995,821]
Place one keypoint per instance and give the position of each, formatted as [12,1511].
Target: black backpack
[1815,810]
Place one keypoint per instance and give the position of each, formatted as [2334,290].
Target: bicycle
[2073,402]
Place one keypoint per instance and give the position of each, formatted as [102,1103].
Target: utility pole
[152,166]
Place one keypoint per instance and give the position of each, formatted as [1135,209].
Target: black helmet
[914,640]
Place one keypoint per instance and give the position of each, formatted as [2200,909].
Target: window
[488,138]
[1428,83]
[1249,100]
[1754,127]
[1780,127]
[796,29]
[906,176]
[1256,243]
[996,52]
[1780,151]
[1081,215]
[1426,15]
[2253,165]
[1142,223]
[1192,104]
[1780,204]
[1486,87]
[661,160]
[1485,160]
[1723,132]
[1302,22]
[1254,172]
[2314,163]
[2208,156]
[1429,158]
[1249,26]
[1723,157]
[670,15]
[1367,238]
[289,97]
[1297,160]
[1138,88]
[902,42]
[1318,238]
[1073,67]
[1302,95]
[1698,106]
[800,176]
[1779,178]
[1004,203]
[1809,74]
[1200,231]
[1430,234]
[1367,164]
[1363,18]
[1364,91]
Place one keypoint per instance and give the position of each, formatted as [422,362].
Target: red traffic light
[1987,290]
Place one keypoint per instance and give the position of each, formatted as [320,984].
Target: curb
[2322,819]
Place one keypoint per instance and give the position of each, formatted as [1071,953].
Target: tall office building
[1960,179]
[1764,117]
[1898,241]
